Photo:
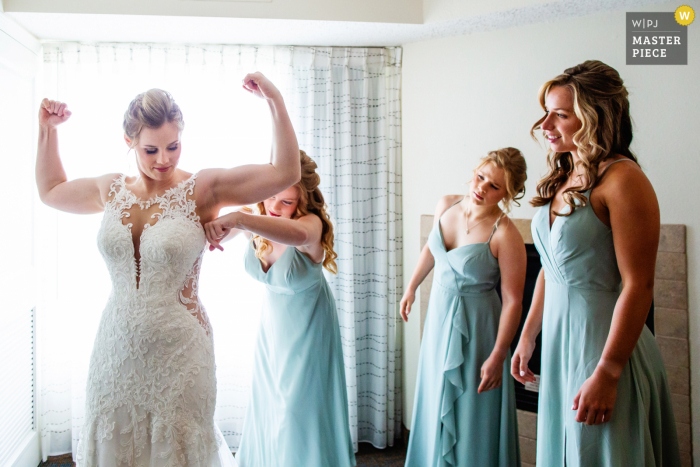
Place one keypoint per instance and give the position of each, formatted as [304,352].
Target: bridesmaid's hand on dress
[408,298]
[521,357]
[492,372]
[595,400]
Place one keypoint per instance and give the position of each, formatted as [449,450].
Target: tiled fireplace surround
[670,321]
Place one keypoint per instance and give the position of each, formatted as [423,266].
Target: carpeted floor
[368,456]
[65,460]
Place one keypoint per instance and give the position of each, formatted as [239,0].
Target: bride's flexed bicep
[246,184]
[79,196]
[250,184]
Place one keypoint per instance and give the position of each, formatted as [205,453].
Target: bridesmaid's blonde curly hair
[601,104]
[310,201]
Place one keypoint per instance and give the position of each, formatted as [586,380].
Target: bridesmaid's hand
[492,372]
[596,398]
[521,357]
[408,298]
[219,228]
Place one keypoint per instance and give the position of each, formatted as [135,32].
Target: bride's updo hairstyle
[601,104]
[151,109]
[310,201]
[513,164]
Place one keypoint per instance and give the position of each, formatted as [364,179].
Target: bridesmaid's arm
[531,329]
[635,221]
[426,261]
[512,261]
[304,231]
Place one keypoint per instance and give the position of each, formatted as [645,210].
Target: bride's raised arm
[249,184]
[81,196]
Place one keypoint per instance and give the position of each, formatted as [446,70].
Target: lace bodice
[170,250]
[151,389]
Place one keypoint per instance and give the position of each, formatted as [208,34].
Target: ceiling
[103,27]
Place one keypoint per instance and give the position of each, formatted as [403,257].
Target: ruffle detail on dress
[454,386]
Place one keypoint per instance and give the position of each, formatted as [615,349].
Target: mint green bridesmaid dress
[452,424]
[298,412]
[582,285]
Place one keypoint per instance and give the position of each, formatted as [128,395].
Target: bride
[151,388]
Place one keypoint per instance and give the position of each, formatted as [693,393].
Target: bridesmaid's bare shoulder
[445,203]
[508,232]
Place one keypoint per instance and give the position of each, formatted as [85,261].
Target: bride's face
[283,204]
[158,151]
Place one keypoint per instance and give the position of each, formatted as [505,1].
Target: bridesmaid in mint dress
[604,399]
[298,412]
[464,410]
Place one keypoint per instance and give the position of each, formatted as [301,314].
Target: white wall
[383,11]
[466,95]
[440,10]
[19,64]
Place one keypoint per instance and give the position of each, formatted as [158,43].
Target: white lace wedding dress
[151,387]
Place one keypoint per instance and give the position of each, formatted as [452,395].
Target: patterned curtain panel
[347,109]
[345,105]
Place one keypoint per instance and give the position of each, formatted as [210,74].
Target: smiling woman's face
[283,204]
[158,151]
[560,123]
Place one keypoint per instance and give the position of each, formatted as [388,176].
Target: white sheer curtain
[345,107]
[347,115]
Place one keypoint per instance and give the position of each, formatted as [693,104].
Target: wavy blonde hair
[513,164]
[602,106]
[310,201]
[151,109]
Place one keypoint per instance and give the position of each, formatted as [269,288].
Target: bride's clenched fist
[53,113]
[256,83]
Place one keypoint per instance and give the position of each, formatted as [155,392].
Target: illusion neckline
[143,205]
[152,200]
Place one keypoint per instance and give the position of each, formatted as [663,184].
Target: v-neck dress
[452,424]
[298,411]
[582,286]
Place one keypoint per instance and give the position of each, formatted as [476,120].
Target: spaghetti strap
[495,226]
[600,176]
[451,206]
[625,159]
